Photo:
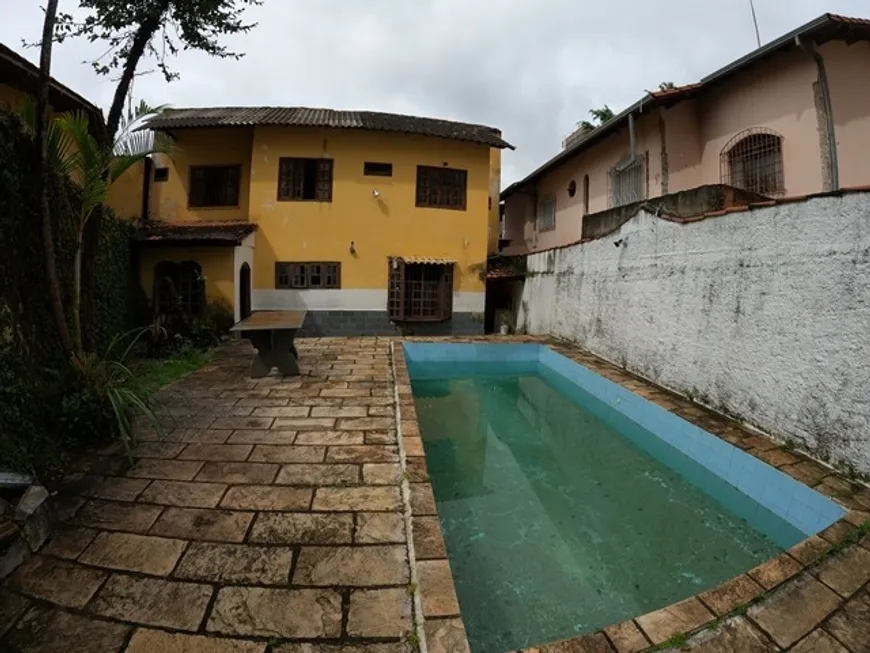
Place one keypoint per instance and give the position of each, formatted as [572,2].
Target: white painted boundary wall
[763,313]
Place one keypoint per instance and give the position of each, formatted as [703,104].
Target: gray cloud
[531,69]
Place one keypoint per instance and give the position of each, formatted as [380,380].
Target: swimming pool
[568,503]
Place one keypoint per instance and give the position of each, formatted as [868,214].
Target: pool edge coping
[699,612]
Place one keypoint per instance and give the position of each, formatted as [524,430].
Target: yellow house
[366,220]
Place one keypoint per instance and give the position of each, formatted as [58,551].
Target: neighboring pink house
[791,118]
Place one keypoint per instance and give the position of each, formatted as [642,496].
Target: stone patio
[272,515]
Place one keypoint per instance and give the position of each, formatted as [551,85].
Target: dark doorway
[244,291]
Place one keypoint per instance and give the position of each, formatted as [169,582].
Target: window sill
[235,207]
[287,199]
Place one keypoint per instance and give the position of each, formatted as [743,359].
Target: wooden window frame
[322,185]
[377,169]
[192,197]
[297,275]
[407,299]
[432,192]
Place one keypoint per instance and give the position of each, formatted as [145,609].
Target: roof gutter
[833,164]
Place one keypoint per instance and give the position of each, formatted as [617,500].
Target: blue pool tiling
[802,507]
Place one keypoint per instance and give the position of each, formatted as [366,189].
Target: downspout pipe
[632,136]
[829,111]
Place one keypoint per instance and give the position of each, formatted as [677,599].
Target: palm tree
[75,153]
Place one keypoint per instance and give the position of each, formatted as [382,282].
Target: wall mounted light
[352,248]
[376,193]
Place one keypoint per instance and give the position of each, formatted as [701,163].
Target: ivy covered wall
[30,351]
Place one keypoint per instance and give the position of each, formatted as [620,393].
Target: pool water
[560,518]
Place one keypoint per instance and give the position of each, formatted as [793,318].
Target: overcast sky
[532,68]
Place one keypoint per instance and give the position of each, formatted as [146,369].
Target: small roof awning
[226,233]
[427,260]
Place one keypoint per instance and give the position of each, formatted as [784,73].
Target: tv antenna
[755,22]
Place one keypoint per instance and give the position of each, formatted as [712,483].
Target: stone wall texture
[764,314]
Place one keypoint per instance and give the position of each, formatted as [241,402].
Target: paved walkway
[269,518]
[270,514]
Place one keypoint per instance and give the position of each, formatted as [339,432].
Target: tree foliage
[156,29]
[171,25]
[599,117]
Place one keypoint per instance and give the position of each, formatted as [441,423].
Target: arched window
[179,287]
[752,160]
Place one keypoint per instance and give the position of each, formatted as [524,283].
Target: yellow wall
[216,264]
[201,147]
[389,225]
[10,97]
[494,193]
[125,195]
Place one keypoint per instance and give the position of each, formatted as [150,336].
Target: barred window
[752,160]
[441,188]
[212,186]
[547,214]
[302,180]
[420,292]
[628,181]
[311,275]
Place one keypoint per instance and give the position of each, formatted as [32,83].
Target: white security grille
[752,160]
[627,181]
[547,214]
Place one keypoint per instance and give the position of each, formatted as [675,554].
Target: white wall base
[348,300]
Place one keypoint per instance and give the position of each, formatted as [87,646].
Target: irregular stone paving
[267,516]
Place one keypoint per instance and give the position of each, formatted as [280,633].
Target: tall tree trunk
[144,34]
[77,289]
[42,118]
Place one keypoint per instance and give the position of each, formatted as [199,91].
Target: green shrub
[211,327]
[101,397]
[86,416]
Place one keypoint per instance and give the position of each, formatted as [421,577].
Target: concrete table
[272,333]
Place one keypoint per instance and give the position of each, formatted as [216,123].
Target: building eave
[824,28]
